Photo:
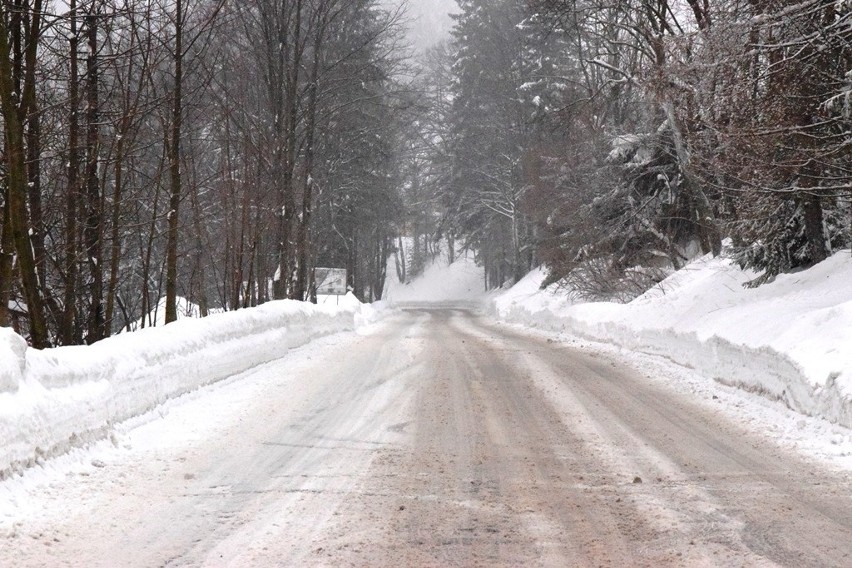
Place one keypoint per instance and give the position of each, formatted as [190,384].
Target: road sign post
[330,282]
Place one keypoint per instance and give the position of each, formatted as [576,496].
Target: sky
[430,21]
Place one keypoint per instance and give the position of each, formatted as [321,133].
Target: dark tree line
[209,150]
[615,140]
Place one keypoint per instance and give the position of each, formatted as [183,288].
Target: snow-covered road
[434,438]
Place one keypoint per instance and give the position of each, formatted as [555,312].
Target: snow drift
[788,340]
[56,399]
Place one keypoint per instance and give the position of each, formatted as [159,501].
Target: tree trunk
[93,231]
[400,261]
[7,255]
[115,235]
[201,297]
[67,329]
[149,245]
[37,226]
[814,229]
[293,69]
[302,241]
[14,115]
[174,169]
[238,291]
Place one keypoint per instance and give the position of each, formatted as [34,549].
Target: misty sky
[430,20]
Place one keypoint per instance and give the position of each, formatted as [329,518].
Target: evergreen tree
[488,135]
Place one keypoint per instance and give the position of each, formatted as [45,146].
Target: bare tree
[20,28]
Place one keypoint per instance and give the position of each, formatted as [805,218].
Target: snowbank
[12,362]
[788,340]
[56,399]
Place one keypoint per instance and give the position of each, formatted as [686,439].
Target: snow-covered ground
[54,400]
[126,392]
[777,356]
[759,353]
[182,472]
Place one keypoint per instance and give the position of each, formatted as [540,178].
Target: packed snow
[56,399]
[776,357]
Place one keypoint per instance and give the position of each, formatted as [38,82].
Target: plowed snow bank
[790,340]
[55,399]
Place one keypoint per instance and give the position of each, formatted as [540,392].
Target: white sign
[330,281]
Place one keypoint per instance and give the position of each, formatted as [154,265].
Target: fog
[430,21]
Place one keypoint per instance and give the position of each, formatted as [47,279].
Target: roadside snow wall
[789,340]
[57,399]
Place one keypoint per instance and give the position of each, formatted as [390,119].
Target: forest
[214,153]
[210,150]
[615,140]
